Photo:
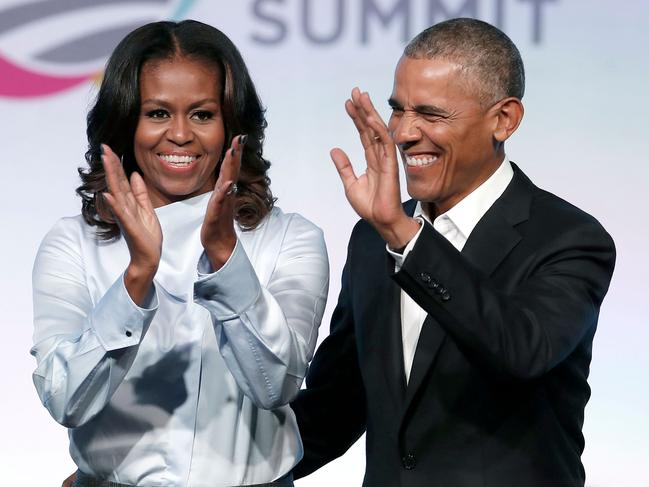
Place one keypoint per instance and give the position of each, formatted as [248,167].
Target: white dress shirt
[192,389]
[455,226]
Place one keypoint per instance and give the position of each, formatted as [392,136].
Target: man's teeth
[420,160]
[178,160]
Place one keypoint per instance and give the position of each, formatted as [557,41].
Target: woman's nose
[180,131]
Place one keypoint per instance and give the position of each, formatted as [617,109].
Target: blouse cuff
[230,291]
[117,321]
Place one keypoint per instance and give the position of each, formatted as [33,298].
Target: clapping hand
[375,194]
[217,234]
[131,206]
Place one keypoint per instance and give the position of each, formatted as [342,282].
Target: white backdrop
[583,138]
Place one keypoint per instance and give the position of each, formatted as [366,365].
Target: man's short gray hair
[488,57]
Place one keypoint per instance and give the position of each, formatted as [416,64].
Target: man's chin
[416,192]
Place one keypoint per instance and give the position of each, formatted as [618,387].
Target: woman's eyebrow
[162,101]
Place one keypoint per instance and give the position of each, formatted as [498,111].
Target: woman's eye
[159,113]
[202,115]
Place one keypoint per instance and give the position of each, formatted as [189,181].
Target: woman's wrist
[219,252]
[138,280]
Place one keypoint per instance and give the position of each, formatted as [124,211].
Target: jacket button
[433,284]
[446,295]
[409,461]
[425,276]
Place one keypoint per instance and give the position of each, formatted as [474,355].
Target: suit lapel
[391,311]
[431,339]
[489,243]
[394,369]
[495,234]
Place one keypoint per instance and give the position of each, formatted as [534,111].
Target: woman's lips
[178,160]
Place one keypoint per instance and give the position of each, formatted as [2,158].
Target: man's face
[444,135]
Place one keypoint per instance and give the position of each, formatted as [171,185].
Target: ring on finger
[233,189]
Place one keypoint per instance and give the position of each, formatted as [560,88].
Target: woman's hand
[70,480]
[131,206]
[217,234]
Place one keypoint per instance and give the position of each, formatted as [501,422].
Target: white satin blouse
[192,389]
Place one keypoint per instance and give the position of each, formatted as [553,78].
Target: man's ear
[509,113]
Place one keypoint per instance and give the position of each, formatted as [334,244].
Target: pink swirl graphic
[19,82]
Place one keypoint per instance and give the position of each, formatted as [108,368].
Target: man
[462,337]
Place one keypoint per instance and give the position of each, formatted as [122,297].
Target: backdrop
[583,138]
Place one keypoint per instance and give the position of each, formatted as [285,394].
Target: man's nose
[180,131]
[406,131]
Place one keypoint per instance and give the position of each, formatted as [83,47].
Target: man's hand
[375,195]
[217,234]
[131,206]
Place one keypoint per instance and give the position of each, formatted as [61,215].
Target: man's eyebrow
[431,110]
[422,109]
[394,104]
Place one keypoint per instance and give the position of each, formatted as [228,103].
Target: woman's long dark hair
[114,117]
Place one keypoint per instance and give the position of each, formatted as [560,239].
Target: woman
[174,319]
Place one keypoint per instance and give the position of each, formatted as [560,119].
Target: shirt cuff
[400,258]
[230,291]
[117,321]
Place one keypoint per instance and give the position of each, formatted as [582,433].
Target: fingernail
[243,139]
[234,151]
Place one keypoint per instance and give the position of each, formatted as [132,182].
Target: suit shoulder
[562,216]
[364,232]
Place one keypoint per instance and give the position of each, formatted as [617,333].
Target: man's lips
[420,160]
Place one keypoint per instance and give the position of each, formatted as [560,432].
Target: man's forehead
[426,80]
[428,68]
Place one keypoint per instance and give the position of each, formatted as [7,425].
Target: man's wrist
[398,235]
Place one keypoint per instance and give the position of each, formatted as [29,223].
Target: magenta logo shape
[19,82]
[59,65]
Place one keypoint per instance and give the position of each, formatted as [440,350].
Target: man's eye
[397,110]
[431,117]
[159,113]
[203,115]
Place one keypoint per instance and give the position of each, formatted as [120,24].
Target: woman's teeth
[420,160]
[178,160]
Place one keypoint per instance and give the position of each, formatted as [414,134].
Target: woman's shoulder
[293,222]
[68,226]
[69,233]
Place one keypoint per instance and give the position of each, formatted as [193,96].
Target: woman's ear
[509,113]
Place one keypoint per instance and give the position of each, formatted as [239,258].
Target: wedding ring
[233,189]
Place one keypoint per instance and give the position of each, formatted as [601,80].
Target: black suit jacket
[498,385]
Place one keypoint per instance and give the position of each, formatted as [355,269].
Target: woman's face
[180,135]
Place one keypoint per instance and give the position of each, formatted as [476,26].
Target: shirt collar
[466,214]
